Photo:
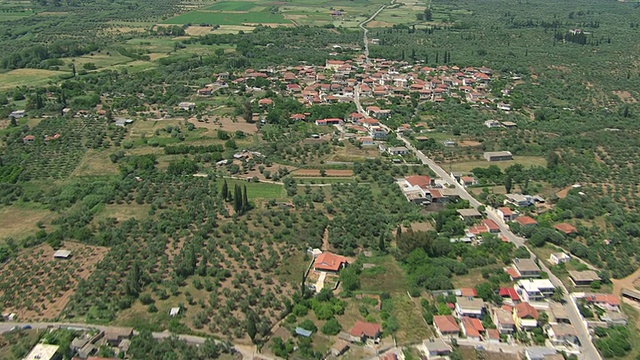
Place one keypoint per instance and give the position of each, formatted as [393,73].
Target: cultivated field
[527,161]
[17,222]
[217,18]
[31,77]
[36,286]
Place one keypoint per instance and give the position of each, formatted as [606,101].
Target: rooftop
[468,302]
[586,275]
[436,345]
[566,228]
[534,285]
[469,213]
[42,352]
[329,261]
[62,254]
[446,323]
[527,265]
[366,328]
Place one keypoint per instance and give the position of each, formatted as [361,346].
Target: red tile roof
[446,323]
[468,292]
[505,211]
[510,292]
[418,180]
[328,261]
[566,228]
[367,329]
[603,298]
[493,334]
[524,311]
[491,225]
[473,327]
[526,220]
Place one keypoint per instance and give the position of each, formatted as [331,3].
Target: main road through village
[588,350]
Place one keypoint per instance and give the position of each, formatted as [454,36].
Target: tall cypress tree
[237,199]
[225,190]
[245,200]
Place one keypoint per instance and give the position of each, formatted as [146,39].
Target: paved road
[248,352]
[589,351]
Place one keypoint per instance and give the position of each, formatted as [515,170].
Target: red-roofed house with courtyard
[446,326]
[329,262]
[362,331]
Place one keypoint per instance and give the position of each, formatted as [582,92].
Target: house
[511,293]
[43,352]
[526,221]
[472,328]
[608,302]
[339,347]
[314,252]
[526,268]
[265,102]
[612,318]
[435,348]
[62,254]
[491,226]
[469,306]
[498,156]
[534,289]
[507,214]
[114,335]
[398,150]
[493,336]
[466,292]
[557,314]
[566,229]
[362,331]
[518,200]
[469,214]
[174,311]
[583,278]
[631,294]
[446,326]
[559,258]
[204,91]
[298,117]
[492,124]
[525,316]
[468,181]
[562,334]
[503,320]
[509,124]
[329,262]
[17,114]
[366,141]
[28,139]
[538,353]
[188,106]
[420,181]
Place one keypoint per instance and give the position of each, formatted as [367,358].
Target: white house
[469,306]
[559,258]
[534,289]
[562,334]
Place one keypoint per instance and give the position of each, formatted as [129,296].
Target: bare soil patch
[198,30]
[379,24]
[316,172]
[625,96]
[469,143]
[564,192]
[36,286]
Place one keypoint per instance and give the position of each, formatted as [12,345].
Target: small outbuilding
[62,254]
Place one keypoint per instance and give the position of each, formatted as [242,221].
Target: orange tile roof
[526,220]
[446,323]
[473,327]
[328,261]
[524,310]
[566,228]
[368,329]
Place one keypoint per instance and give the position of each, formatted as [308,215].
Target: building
[472,328]
[518,200]
[534,289]
[562,334]
[608,302]
[339,347]
[303,332]
[503,320]
[612,318]
[507,214]
[538,353]
[469,214]
[559,258]
[329,262]
[188,106]
[631,294]
[557,314]
[526,221]
[363,331]
[498,156]
[62,254]
[469,306]
[492,336]
[43,352]
[435,348]
[398,150]
[526,268]
[566,229]
[511,293]
[174,311]
[446,326]
[525,316]
[583,278]
[17,114]
[114,335]
[28,139]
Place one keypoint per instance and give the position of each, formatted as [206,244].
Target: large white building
[534,289]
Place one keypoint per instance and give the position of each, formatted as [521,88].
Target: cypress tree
[225,190]
[245,200]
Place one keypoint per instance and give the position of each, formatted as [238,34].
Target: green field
[232,6]
[22,77]
[261,191]
[213,18]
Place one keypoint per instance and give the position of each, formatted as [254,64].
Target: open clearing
[31,77]
[527,161]
[228,125]
[216,18]
[255,191]
[316,172]
[17,222]
[45,284]
[232,6]
[198,30]
[95,163]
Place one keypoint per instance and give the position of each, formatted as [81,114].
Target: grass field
[257,191]
[232,6]
[95,163]
[214,18]
[31,77]
[413,328]
[527,161]
[387,276]
[17,221]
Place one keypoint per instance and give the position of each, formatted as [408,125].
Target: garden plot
[36,286]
